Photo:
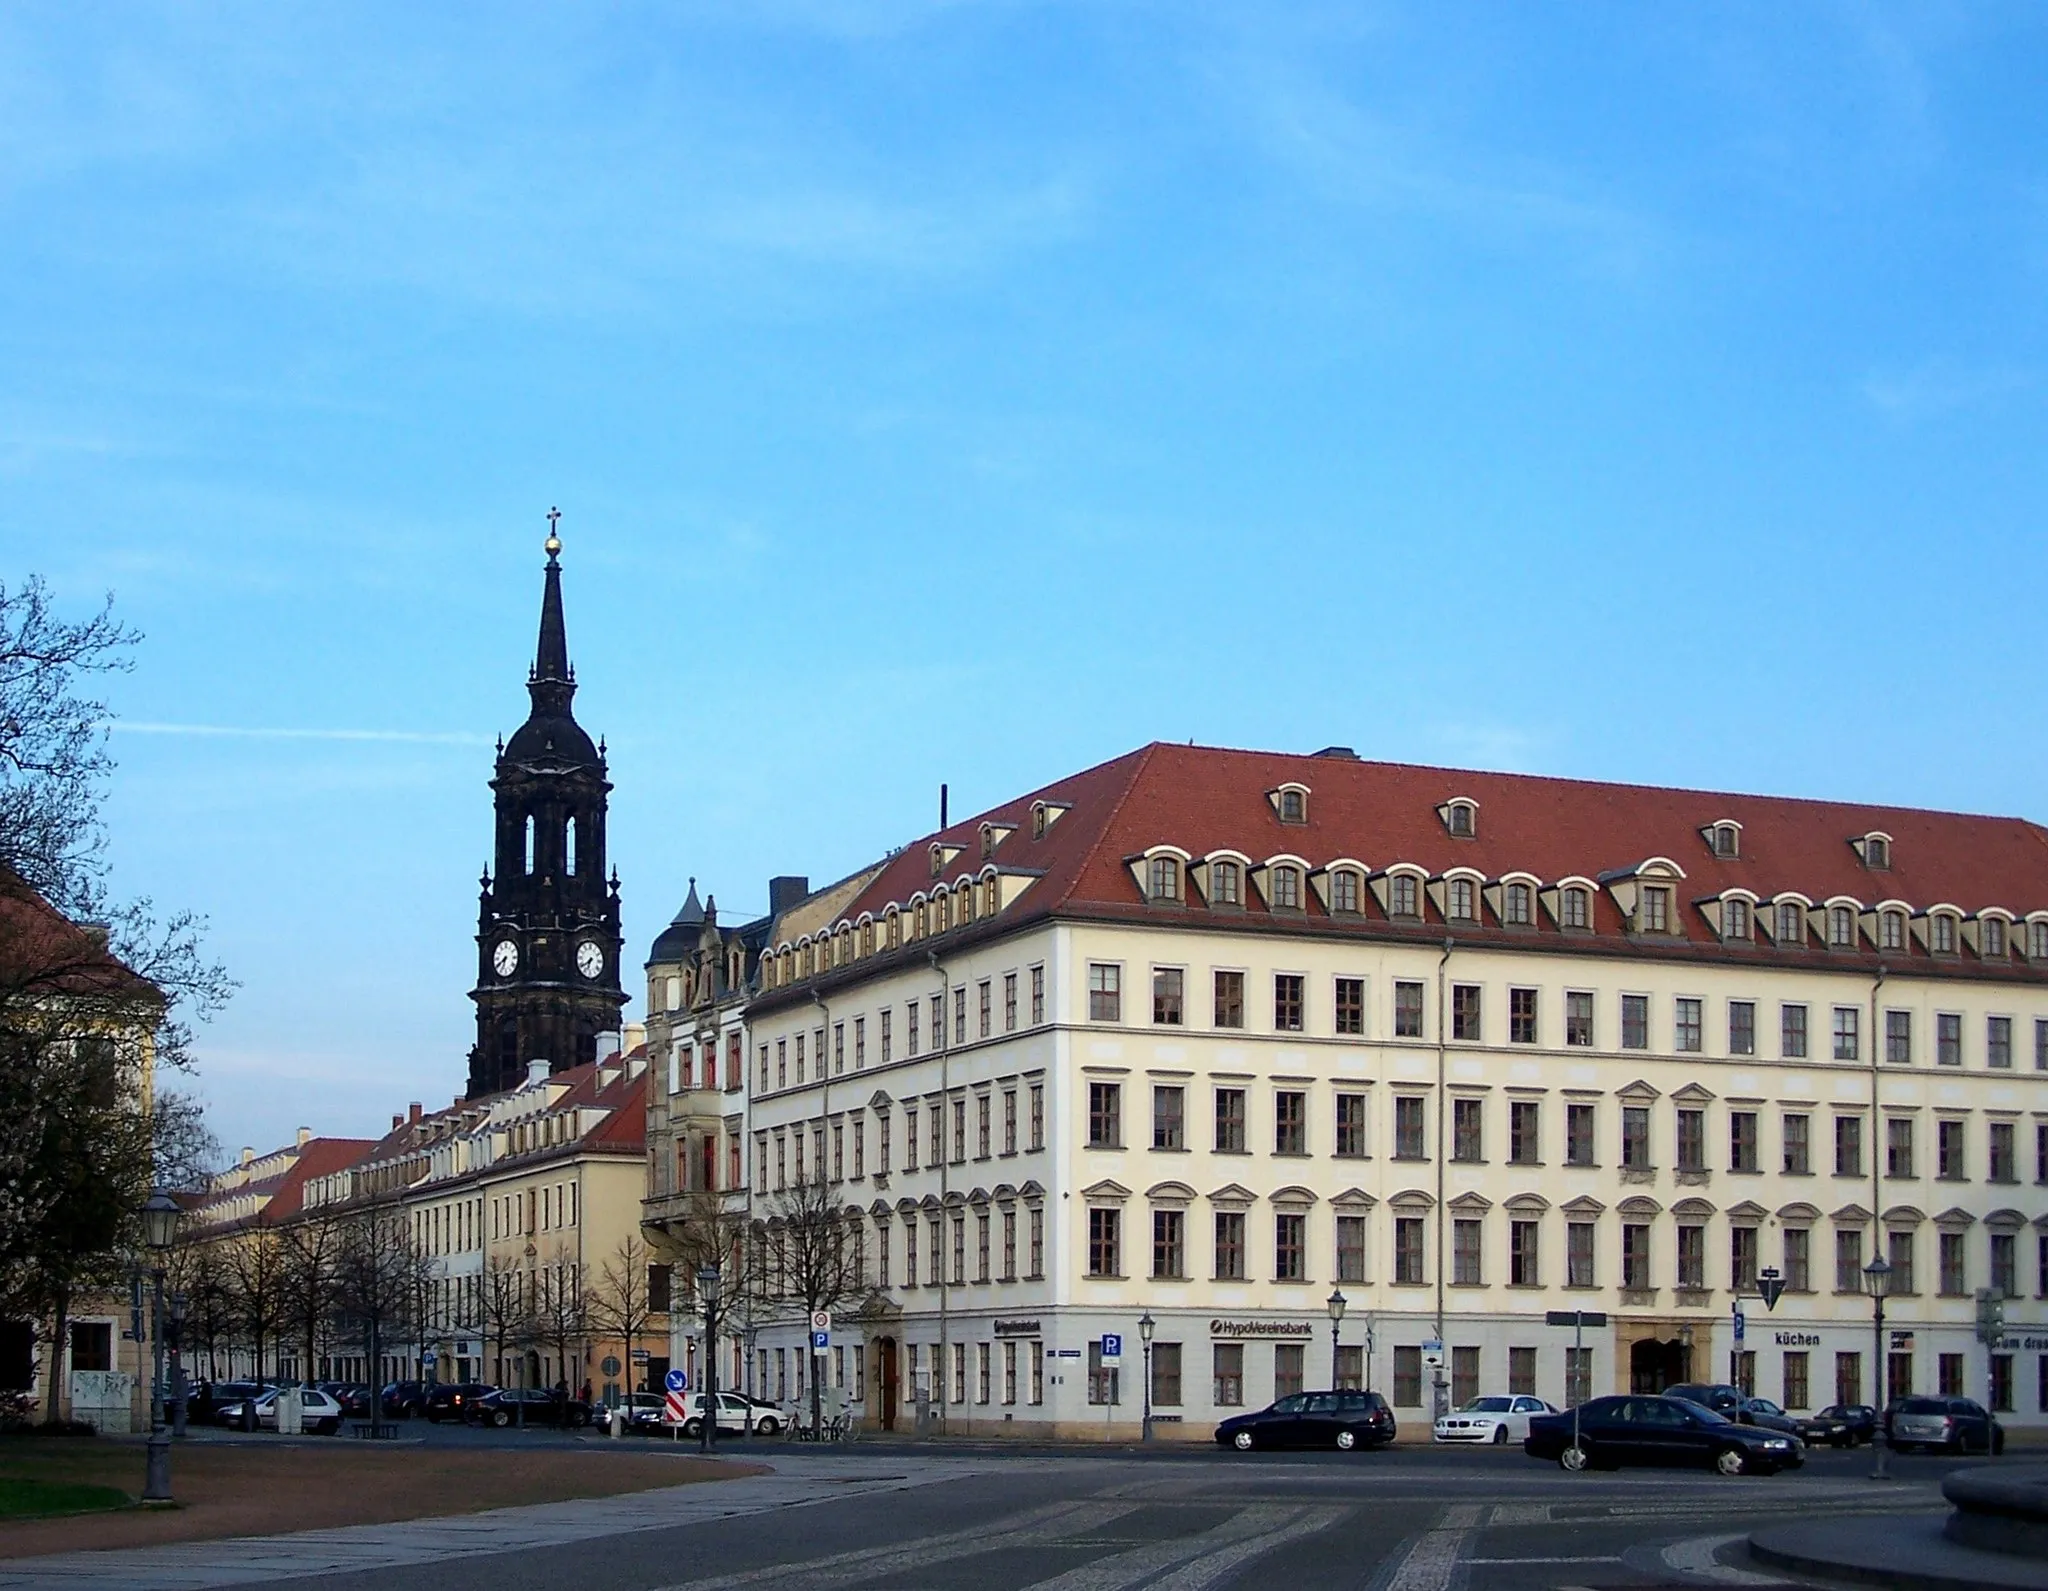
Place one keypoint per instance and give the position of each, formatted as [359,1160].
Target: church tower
[547,934]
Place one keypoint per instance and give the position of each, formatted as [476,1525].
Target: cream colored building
[1211,1036]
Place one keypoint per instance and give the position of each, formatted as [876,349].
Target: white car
[1498,1419]
[320,1414]
[736,1416]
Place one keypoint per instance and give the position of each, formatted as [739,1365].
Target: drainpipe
[1879,1368]
[1442,1109]
[944,1036]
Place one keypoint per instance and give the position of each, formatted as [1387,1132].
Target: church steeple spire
[552,682]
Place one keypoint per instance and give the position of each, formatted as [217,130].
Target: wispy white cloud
[410,737]
[1940,388]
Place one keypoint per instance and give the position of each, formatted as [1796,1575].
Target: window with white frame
[1735,919]
[1517,905]
[1991,936]
[1403,897]
[1344,891]
[1575,908]
[1941,933]
[1791,923]
[1286,887]
[1653,911]
[1226,886]
[1460,898]
[1162,880]
[1841,928]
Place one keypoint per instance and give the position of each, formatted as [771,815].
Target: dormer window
[938,860]
[1344,891]
[1725,840]
[1841,928]
[1791,923]
[1290,801]
[892,931]
[1876,851]
[1038,820]
[1404,898]
[1575,908]
[1517,905]
[1735,918]
[1460,817]
[1991,936]
[1459,898]
[2037,941]
[1162,879]
[1286,888]
[1226,884]
[1941,931]
[1653,911]
[988,841]
[1891,930]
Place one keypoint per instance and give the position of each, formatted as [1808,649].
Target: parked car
[738,1415]
[221,1396]
[1766,1414]
[1344,1420]
[1498,1418]
[319,1413]
[451,1400]
[354,1396]
[1716,1395]
[1847,1424]
[542,1406]
[1658,1430]
[1942,1425]
[643,1411]
[404,1399]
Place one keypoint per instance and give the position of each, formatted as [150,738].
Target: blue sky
[972,392]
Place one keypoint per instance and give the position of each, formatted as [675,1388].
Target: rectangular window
[960,1025]
[1742,1153]
[2004,1160]
[1654,916]
[1290,1122]
[1848,1020]
[1227,1375]
[1635,1257]
[1948,1038]
[1010,1026]
[1408,1376]
[1408,1239]
[1998,1042]
[1692,1257]
[1351,1126]
[1950,1254]
[1797,1126]
[982,1145]
[1523,1267]
[1849,1378]
[1793,1382]
[1230,1130]
[1105,1116]
[1009,1121]
[1578,1375]
[981,1246]
[2005,1269]
[1105,1245]
[909,1137]
[1898,1147]
[1578,1019]
[1686,1034]
[1166,1375]
[1521,1016]
[1742,1027]
[1351,1006]
[1038,1115]
[1105,992]
[1525,1137]
[1792,1031]
[1848,1146]
[2001,1383]
[1635,1137]
[910,1028]
[1465,1012]
[1009,1245]
[1289,1260]
[1287,1002]
[1229,1246]
[1899,1251]
[984,1000]
[1464,1376]
[1579,1128]
[1407,1010]
[1037,1245]
[2041,1034]
[1350,1248]
[838,1048]
[1169,1244]
[1103,1379]
[882,1033]
[1166,996]
[1898,1037]
[1467,1254]
[1037,1001]
[1579,1254]
[1169,1112]
[1468,1122]
[1230,999]
[1288,1368]
[1635,1021]
[1950,1160]
[1848,1260]
[1798,1248]
[1692,1140]
[1742,1258]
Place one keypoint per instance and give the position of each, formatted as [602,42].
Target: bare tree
[503,1318]
[716,1234]
[377,1269]
[561,1313]
[621,1303]
[818,1257]
[309,1284]
[252,1263]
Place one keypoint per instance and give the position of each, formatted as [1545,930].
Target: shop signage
[1261,1328]
[1018,1328]
[1798,1339]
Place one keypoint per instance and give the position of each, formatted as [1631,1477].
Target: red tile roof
[44,954]
[1205,799]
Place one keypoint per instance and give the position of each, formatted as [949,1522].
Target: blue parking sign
[1112,1346]
[676,1381]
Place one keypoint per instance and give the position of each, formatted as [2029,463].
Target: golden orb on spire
[553,544]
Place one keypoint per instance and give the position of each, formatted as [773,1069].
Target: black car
[450,1400]
[1716,1395]
[1942,1425]
[404,1399]
[1609,1432]
[1844,1424]
[353,1397]
[1343,1420]
[542,1407]
[1764,1413]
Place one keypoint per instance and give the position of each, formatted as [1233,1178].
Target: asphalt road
[1193,1518]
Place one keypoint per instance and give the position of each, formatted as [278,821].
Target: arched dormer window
[1788,924]
[1460,817]
[736,969]
[1226,884]
[1347,891]
[1841,928]
[1461,900]
[1038,820]
[1891,929]
[994,903]
[867,937]
[1941,933]
[1290,803]
[1404,895]
[1162,879]
[1724,839]
[1876,850]
[938,859]
[1518,904]
[892,928]
[942,909]
[1575,908]
[810,960]
[845,947]
[1286,887]
[922,922]
[1991,937]
[2037,940]
[1735,919]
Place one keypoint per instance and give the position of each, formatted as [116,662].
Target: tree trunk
[60,1320]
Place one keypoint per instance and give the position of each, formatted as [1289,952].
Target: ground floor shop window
[1350,1367]
[1288,1368]
[1849,1378]
[1227,1359]
[1464,1376]
[1408,1377]
[1102,1379]
[1578,1375]
[1166,1375]
[1522,1372]
[1795,1382]
[2001,1383]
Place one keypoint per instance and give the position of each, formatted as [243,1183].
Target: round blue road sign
[676,1381]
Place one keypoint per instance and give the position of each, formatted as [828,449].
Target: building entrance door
[885,1377]
[1654,1365]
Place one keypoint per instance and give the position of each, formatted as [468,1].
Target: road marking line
[1126,1569]
[1433,1559]
[1607,1557]
[1206,1571]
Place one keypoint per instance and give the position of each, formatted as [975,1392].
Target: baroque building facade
[1208,1036]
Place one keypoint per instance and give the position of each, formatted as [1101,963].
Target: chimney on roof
[412,1111]
[1340,753]
[942,808]
[397,1122]
[785,890]
[304,1134]
[248,1153]
[536,1071]
[608,1046]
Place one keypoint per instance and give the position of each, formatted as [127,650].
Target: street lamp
[1877,1281]
[160,1216]
[707,1293]
[1336,1302]
[1146,1326]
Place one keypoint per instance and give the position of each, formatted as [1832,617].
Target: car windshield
[1921,1406]
[1765,1406]
[1487,1406]
[1706,1416]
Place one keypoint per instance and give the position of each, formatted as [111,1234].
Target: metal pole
[1146,1426]
[156,1484]
[1882,1470]
[1577,1364]
[1333,1352]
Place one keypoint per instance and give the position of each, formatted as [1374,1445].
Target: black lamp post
[1877,1281]
[1146,1326]
[707,1293]
[1337,1302]
[159,1231]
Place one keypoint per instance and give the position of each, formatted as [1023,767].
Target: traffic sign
[676,1381]
[1433,1354]
[1741,1325]
[821,1320]
[1770,1286]
[429,1359]
[820,1341]
[1112,1348]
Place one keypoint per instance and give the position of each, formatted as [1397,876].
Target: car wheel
[1242,1441]
[766,1426]
[1500,1436]
[1731,1461]
[330,1427]
[693,1429]
[1346,1441]
[1574,1459]
[501,1419]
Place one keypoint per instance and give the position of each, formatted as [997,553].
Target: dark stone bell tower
[547,933]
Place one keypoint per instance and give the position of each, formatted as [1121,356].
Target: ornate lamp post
[1336,1301]
[1146,1326]
[707,1294]
[160,1218]
[1877,1281]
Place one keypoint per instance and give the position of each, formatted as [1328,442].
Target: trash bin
[618,1423]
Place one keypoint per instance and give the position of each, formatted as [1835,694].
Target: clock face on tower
[590,958]
[505,958]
